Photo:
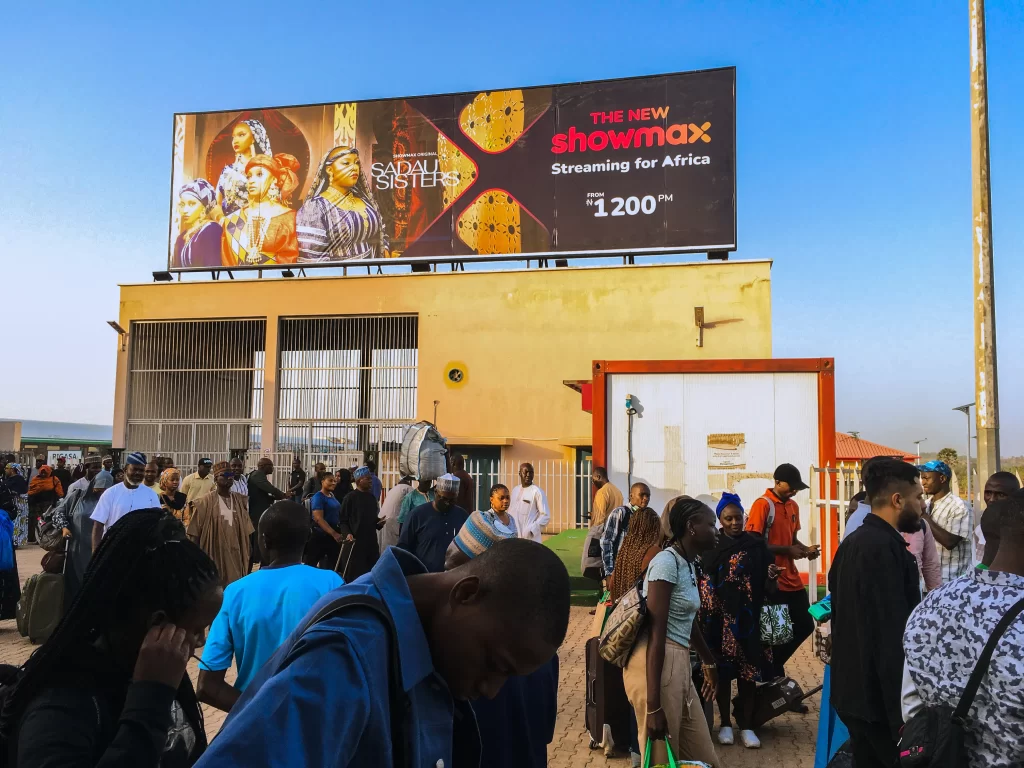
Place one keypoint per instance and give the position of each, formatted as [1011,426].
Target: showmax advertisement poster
[640,165]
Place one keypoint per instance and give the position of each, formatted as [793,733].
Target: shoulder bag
[49,536]
[623,626]
[627,620]
[776,621]
[934,737]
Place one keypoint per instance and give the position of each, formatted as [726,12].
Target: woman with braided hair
[340,219]
[658,678]
[641,543]
[109,687]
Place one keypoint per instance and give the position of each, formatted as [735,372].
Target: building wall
[517,335]
[10,435]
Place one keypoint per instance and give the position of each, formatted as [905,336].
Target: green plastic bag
[671,759]
[647,756]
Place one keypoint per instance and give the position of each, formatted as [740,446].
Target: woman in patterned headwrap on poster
[263,232]
[198,242]
[340,219]
[248,139]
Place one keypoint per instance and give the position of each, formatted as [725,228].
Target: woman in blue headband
[736,575]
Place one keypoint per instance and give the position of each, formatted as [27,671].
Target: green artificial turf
[568,545]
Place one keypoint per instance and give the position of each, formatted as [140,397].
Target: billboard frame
[472,258]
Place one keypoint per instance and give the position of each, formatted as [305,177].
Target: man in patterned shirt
[949,517]
[946,634]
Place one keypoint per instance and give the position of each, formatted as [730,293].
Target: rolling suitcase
[776,697]
[606,700]
[41,606]
[341,554]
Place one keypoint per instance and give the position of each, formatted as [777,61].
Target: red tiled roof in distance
[850,448]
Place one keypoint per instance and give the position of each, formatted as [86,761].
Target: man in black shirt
[875,585]
[262,493]
[296,480]
[63,474]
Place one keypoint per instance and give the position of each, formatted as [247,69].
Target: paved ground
[787,741]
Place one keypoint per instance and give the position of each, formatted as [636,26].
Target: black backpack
[934,737]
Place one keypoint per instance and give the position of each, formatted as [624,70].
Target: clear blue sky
[854,163]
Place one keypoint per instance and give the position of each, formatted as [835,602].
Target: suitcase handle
[809,694]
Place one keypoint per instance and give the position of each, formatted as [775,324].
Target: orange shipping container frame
[824,367]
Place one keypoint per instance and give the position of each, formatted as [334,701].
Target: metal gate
[195,388]
[347,387]
[830,493]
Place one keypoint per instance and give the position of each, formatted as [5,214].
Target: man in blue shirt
[432,527]
[260,610]
[324,697]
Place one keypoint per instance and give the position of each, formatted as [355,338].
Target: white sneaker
[635,759]
[725,736]
[750,740]
[608,741]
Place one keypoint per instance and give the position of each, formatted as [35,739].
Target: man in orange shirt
[776,517]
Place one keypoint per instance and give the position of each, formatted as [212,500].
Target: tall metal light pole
[986,393]
[918,444]
[966,411]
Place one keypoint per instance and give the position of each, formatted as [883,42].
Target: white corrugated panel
[776,413]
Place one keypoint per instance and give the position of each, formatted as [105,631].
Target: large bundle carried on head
[423,452]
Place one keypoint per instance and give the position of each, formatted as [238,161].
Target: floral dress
[732,586]
[14,499]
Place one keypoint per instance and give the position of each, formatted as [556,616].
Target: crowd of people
[907,637]
[707,576]
[708,595]
[395,639]
[392,608]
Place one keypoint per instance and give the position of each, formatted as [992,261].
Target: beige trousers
[687,729]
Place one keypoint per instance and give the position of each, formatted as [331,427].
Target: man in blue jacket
[325,698]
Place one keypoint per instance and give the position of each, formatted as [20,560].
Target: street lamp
[966,411]
[918,444]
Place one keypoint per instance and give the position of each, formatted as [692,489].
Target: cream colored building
[330,366]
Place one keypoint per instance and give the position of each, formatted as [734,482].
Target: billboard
[620,166]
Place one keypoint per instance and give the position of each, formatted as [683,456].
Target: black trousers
[255,555]
[745,700]
[803,626]
[872,744]
[321,550]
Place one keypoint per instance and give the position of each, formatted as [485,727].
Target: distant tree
[948,455]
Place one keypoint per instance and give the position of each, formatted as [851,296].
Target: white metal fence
[830,493]
[566,486]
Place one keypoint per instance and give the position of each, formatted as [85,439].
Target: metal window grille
[346,385]
[195,387]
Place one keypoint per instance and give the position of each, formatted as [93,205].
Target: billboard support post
[986,394]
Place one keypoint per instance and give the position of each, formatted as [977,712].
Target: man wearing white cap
[118,501]
[430,528]
[529,506]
